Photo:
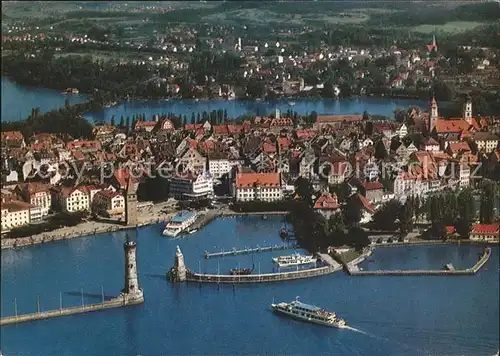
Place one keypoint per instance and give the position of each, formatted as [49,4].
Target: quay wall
[261,278]
[465,272]
[436,242]
[113,303]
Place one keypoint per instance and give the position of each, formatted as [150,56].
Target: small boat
[264,217]
[192,231]
[310,313]
[241,271]
[291,103]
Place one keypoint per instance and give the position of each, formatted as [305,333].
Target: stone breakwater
[260,278]
[121,301]
[355,271]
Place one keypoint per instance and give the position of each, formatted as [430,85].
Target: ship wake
[356,330]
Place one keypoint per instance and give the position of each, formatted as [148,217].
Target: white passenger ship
[293,260]
[310,313]
[180,223]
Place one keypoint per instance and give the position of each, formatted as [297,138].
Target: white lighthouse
[131,292]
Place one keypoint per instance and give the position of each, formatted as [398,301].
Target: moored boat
[294,260]
[241,271]
[180,223]
[310,313]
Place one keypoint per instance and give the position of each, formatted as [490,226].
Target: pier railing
[113,303]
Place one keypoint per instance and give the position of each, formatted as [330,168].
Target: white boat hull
[310,320]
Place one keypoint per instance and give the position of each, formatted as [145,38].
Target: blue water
[18,100]
[235,108]
[398,315]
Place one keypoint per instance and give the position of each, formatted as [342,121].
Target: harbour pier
[235,252]
[449,270]
[131,294]
[180,273]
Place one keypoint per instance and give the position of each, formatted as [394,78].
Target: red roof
[193,127]
[373,185]
[365,203]
[486,229]
[12,135]
[248,180]
[327,202]
[338,118]
[96,145]
[450,230]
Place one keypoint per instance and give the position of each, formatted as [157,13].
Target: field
[449,28]
[259,15]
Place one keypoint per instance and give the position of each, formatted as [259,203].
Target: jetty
[235,252]
[131,294]
[180,273]
[449,270]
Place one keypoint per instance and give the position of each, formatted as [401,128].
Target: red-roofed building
[485,232]
[108,203]
[373,191]
[258,186]
[280,123]
[327,205]
[147,126]
[87,145]
[335,120]
[12,139]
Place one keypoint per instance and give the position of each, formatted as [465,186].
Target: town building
[258,186]
[108,203]
[327,205]
[485,232]
[486,141]
[16,213]
[37,194]
[189,185]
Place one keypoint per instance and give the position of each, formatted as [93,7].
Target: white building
[37,194]
[17,213]
[258,186]
[109,202]
[219,167]
[189,185]
[76,199]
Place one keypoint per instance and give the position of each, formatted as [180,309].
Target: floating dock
[235,252]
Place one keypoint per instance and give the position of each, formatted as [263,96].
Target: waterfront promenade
[146,216]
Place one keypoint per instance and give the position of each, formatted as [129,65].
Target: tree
[369,128]
[380,150]
[127,123]
[122,121]
[358,238]
[113,120]
[406,217]
[304,190]
[466,213]
[352,211]
[193,118]
[366,116]
[487,203]
[385,217]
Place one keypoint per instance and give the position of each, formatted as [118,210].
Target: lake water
[397,315]
[235,108]
[18,100]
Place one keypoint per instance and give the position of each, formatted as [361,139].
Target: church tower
[467,114]
[434,115]
[131,203]
[131,292]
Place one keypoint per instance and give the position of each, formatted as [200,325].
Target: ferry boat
[180,223]
[294,260]
[310,313]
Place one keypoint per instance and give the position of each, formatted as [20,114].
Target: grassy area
[350,255]
[449,27]
[257,15]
